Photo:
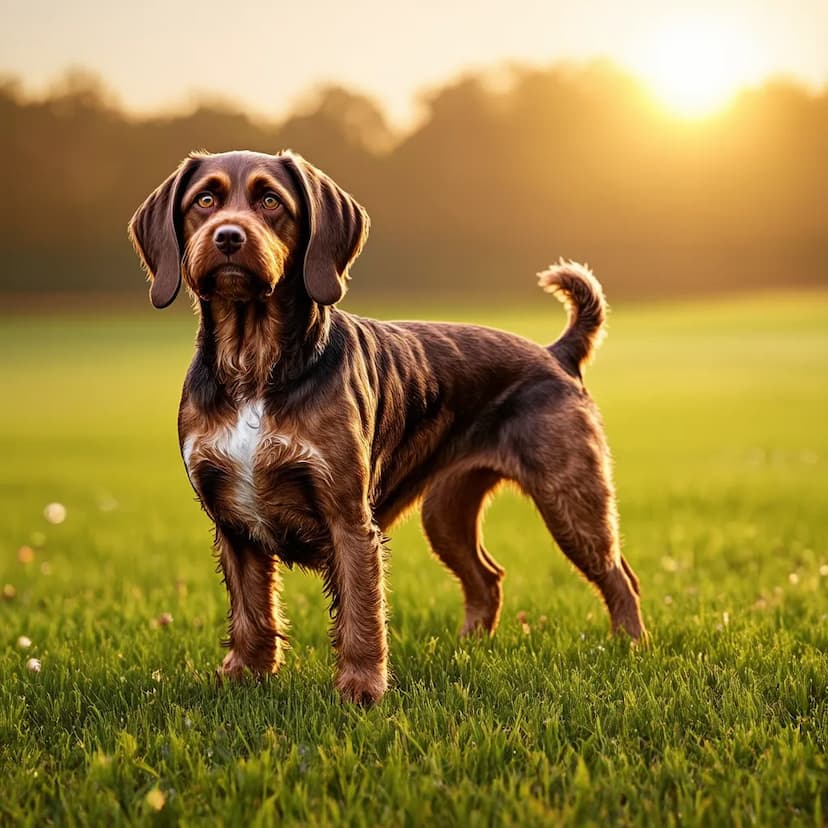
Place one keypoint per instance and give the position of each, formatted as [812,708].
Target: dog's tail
[586,308]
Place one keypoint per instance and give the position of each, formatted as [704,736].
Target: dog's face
[236,224]
[240,225]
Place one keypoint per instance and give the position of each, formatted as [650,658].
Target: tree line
[490,186]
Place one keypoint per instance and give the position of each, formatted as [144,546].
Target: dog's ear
[337,230]
[155,232]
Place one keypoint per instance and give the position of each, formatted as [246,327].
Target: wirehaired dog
[307,431]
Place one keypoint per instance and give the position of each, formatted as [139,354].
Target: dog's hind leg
[576,498]
[451,518]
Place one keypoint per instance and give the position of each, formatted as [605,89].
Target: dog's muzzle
[231,281]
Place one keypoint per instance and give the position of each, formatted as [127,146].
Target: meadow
[716,413]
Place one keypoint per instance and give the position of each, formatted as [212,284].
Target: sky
[267,56]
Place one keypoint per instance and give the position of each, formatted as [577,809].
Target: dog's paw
[361,687]
[643,642]
[235,668]
[232,667]
[481,620]
[478,625]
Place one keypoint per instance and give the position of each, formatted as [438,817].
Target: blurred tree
[496,181]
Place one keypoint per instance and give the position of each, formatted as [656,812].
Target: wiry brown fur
[247,345]
[307,431]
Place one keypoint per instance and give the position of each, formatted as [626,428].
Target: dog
[306,431]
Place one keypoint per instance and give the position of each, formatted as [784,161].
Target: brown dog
[307,431]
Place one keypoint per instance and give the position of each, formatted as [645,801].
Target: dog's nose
[229,238]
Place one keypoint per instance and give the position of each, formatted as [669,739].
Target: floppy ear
[155,233]
[337,230]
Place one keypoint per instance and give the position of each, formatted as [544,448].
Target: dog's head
[237,224]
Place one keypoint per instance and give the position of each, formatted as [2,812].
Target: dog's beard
[247,277]
[237,284]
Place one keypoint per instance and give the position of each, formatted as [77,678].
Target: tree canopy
[491,185]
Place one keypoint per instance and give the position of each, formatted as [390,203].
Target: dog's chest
[240,441]
[249,473]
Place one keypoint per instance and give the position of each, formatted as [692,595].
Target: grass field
[717,416]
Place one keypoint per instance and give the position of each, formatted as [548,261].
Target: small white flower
[33,665]
[24,642]
[55,513]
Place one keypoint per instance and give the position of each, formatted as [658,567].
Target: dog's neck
[257,346]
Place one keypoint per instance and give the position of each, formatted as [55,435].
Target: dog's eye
[270,201]
[205,200]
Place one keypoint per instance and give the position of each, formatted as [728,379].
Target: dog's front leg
[256,626]
[355,582]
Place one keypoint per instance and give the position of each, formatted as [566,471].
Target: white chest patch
[240,441]
[252,446]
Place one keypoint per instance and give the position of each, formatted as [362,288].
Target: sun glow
[696,65]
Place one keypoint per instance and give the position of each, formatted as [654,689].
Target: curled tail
[586,308]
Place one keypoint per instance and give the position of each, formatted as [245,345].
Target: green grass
[717,417]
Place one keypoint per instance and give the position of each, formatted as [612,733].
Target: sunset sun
[696,65]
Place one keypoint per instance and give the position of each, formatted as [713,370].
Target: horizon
[496,79]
